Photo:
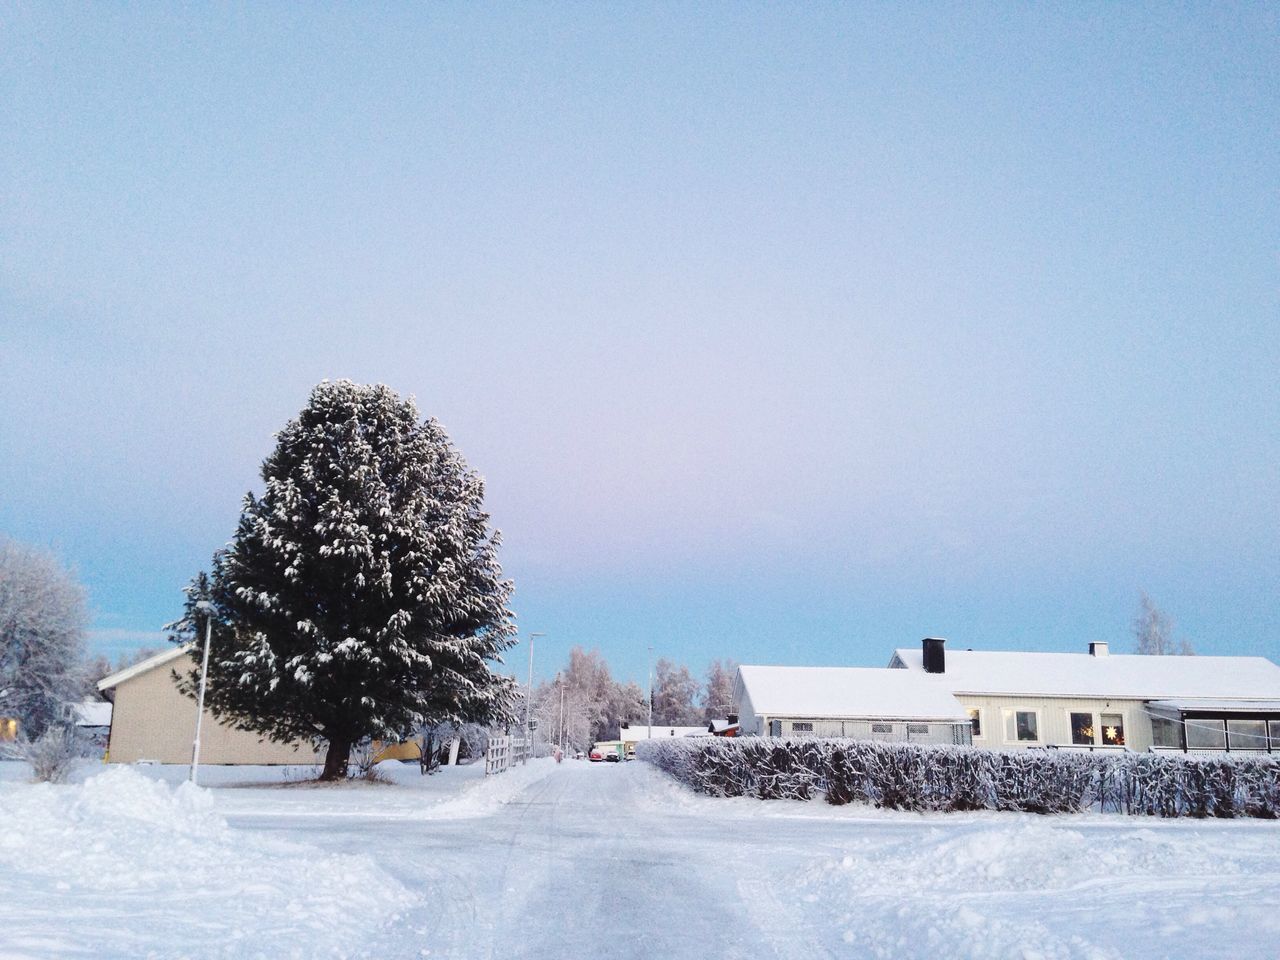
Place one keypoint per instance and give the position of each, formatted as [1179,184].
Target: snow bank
[1040,889]
[125,862]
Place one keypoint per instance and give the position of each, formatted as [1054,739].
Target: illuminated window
[1082,729]
[1021,726]
[975,721]
[1112,729]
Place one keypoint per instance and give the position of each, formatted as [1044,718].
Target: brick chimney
[935,660]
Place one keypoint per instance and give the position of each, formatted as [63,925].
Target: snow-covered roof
[93,713]
[1219,706]
[1083,675]
[640,731]
[120,676]
[848,693]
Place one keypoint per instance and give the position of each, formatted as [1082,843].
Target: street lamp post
[560,732]
[528,703]
[205,607]
[651,693]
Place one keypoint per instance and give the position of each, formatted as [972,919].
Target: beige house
[1097,701]
[152,721]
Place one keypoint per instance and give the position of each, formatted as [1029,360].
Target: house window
[1206,735]
[882,728]
[917,728]
[1021,725]
[802,727]
[1247,734]
[1082,729]
[1165,733]
[1275,736]
[1112,729]
[975,721]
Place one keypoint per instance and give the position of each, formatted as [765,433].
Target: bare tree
[717,696]
[674,693]
[42,626]
[1153,632]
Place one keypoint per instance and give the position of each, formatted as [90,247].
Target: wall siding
[1055,723]
[152,720]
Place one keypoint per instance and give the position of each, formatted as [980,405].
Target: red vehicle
[596,756]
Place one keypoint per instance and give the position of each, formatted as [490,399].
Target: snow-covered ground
[597,861]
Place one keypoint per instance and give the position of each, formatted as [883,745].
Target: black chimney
[935,660]
[732,718]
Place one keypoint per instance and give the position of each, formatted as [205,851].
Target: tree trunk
[336,759]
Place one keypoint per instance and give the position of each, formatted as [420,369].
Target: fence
[502,753]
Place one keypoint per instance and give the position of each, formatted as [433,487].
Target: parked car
[612,757]
[596,756]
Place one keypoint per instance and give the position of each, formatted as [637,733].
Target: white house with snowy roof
[866,703]
[1013,700]
[1097,700]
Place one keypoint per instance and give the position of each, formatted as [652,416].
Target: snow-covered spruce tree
[362,595]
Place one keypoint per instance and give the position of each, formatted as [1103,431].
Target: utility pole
[528,703]
[560,732]
[651,693]
[205,607]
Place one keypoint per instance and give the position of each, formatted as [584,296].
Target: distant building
[631,734]
[93,721]
[152,721]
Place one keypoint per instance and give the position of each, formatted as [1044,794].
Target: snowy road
[598,861]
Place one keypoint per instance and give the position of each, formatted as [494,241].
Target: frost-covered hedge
[916,777]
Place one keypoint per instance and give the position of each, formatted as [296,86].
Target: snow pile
[485,795]
[1034,889]
[917,777]
[124,861]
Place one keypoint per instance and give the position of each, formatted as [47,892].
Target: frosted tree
[1153,632]
[42,624]
[362,594]
[717,695]
[674,693]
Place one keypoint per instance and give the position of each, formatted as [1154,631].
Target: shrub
[904,776]
[53,754]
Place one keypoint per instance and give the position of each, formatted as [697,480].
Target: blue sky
[789,333]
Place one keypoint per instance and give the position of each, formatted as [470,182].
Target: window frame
[1204,723]
[1093,726]
[1011,714]
[1231,746]
[975,716]
[1124,729]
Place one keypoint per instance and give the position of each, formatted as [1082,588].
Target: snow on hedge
[125,862]
[916,777]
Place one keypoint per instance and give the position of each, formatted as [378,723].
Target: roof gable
[848,693]
[151,663]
